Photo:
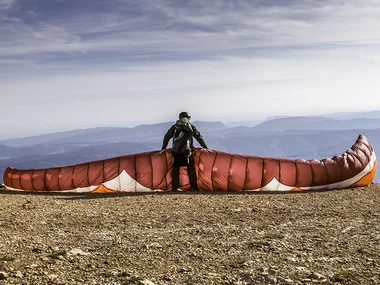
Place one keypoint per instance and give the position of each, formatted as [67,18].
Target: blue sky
[68,64]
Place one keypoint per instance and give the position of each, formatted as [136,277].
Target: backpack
[182,140]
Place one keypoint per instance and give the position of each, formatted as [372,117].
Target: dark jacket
[172,131]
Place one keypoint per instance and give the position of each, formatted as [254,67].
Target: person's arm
[169,134]
[197,135]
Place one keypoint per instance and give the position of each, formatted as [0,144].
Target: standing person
[182,133]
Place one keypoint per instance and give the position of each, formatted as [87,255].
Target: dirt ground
[330,237]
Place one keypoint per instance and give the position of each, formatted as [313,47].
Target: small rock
[28,205]
[259,279]
[272,272]
[77,251]
[54,248]
[270,279]
[212,274]
[3,275]
[36,250]
[111,273]
[376,237]
[323,259]
[60,257]
[293,259]
[281,280]
[302,269]
[260,269]
[182,270]
[145,282]
[247,277]
[152,245]
[315,275]
[18,274]
[248,263]
[31,266]
[167,278]
[53,276]
[124,273]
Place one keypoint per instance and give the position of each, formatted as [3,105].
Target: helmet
[184,115]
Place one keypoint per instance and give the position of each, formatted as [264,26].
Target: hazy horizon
[228,124]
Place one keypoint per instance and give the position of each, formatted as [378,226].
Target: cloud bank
[143,61]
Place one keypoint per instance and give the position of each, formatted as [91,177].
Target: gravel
[330,237]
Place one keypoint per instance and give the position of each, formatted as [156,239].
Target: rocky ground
[330,237]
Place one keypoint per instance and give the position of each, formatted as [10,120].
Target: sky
[74,64]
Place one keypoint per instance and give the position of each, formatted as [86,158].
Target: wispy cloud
[81,33]
[189,26]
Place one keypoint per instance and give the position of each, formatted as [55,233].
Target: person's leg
[192,174]
[175,175]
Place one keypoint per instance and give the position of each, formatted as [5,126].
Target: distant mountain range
[291,137]
[316,123]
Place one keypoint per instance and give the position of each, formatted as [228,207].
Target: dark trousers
[184,161]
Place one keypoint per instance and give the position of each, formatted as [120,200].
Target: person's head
[184,115]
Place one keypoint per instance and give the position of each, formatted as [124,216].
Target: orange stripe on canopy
[367,179]
[103,189]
